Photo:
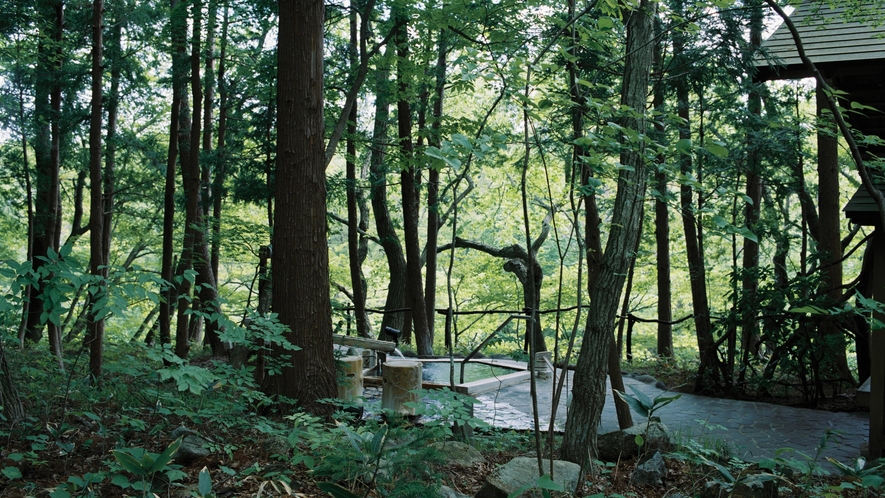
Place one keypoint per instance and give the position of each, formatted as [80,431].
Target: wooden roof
[862,209]
[829,41]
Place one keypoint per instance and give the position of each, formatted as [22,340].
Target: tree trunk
[98,258]
[433,221]
[29,197]
[178,27]
[579,440]
[353,229]
[47,109]
[829,243]
[592,233]
[410,198]
[662,223]
[709,360]
[221,149]
[13,410]
[389,239]
[300,269]
[750,263]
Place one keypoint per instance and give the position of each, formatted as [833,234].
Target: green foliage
[144,464]
[444,409]
[390,459]
[544,483]
[645,406]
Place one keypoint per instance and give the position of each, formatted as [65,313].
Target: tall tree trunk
[178,33]
[300,269]
[115,54]
[592,232]
[221,150]
[389,239]
[579,440]
[29,195]
[353,229]
[433,223]
[47,110]
[709,360]
[190,182]
[98,258]
[53,330]
[829,243]
[750,263]
[410,197]
[662,225]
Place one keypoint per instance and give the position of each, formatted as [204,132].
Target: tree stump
[350,388]
[401,378]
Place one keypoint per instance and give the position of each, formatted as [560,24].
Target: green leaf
[639,440]
[717,150]
[633,403]
[520,491]
[545,482]
[129,462]
[120,480]
[166,456]
[378,440]
[204,487]
[683,146]
[814,310]
[642,397]
[335,490]
[60,493]
[605,22]
[872,481]
[12,473]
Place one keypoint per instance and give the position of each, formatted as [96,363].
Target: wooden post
[877,351]
[401,379]
[542,360]
[350,388]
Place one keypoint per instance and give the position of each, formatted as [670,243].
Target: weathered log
[362,342]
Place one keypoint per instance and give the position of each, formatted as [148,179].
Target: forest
[197,194]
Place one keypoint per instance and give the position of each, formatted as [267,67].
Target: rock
[616,445]
[660,385]
[651,472]
[523,471]
[193,447]
[276,445]
[647,379]
[459,453]
[447,492]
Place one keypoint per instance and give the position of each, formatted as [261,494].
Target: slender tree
[98,257]
[178,33]
[579,440]
[387,234]
[409,180]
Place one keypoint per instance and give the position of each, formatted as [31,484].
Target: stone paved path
[754,430]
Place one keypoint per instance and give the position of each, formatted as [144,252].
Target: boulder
[523,471]
[617,445]
[276,445]
[193,446]
[651,472]
[459,453]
